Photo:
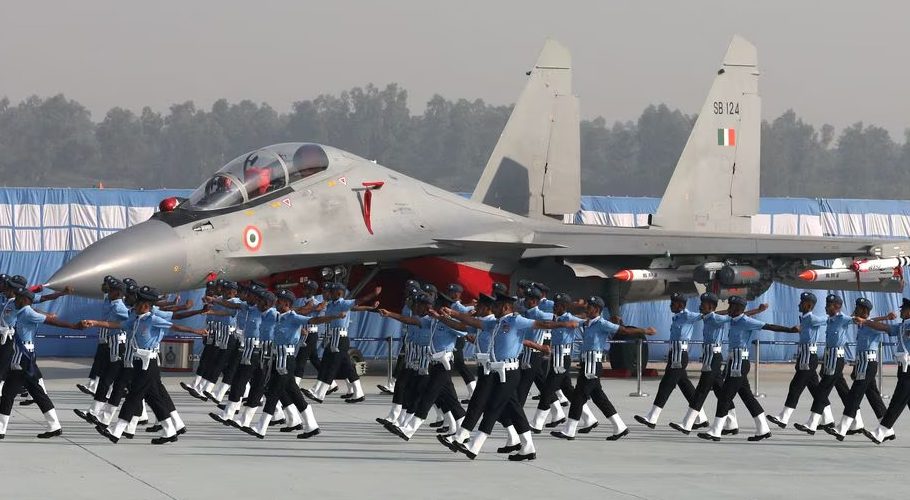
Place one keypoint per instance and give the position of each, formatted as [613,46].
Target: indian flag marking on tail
[726,137]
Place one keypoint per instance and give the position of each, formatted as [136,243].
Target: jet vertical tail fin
[535,168]
[715,187]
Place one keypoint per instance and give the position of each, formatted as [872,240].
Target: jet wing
[576,241]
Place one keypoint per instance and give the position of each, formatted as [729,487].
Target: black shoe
[356,400]
[50,434]
[2,436]
[221,406]
[508,449]
[385,390]
[616,437]
[709,437]
[535,431]
[308,435]
[519,457]
[445,442]
[871,437]
[85,389]
[839,437]
[892,437]
[560,435]
[308,393]
[830,430]
[564,404]
[759,438]
[467,452]
[826,426]
[165,440]
[536,398]
[291,429]
[588,429]
[106,433]
[803,428]
[729,432]
[333,390]
[217,418]
[381,421]
[249,430]
[181,431]
[280,421]
[465,401]
[209,396]
[855,431]
[443,430]
[703,425]
[233,423]
[555,423]
[82,414]
[436,424]
[643,421]
[27,402]
[680,428]
[196,395]
[774,420]
[158,428]
[127,435]
[347,396]
[400,433]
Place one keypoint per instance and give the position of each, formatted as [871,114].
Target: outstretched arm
[780,329]
[53,321]
[873,324]
[408,320]
[366,299]
[93,323]
[189,314]
[185,329]
[631,330]
[55,295]
[465,318]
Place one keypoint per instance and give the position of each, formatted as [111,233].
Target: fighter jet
[304,206]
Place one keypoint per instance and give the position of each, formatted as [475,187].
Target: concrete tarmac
[356,458]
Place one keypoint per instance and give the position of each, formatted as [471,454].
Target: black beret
[130,281]
[230,285]
[524,283]
[115,284]
[286,295]
[596,301]
[808,297]
[501,297]
[864,302]
[540,286]
[709,297]
[148,294]
[312,285]
[905,304]
[834,299]
[499,288]
[24,292]
[17,281]
[533,293]
[456,288]
[423,298]
[485,299]
[677,297]
[428,288]
[563,298]
[268,296]
[737,300]
[444,300]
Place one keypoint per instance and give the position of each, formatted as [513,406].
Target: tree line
[55,142]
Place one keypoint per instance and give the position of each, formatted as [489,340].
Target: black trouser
[416,385]
[402,384]
[258,381]
[206,356]
[146,385]
[479,398]
[439,390]
[899,399]
[308,352]
[6,356]
[865,387]
[529,376]
[16,380]
[102,359]
[401,364]
[708,381]
[589,388]
[503,402]
[243,376]
[737,385]
[233,362]
[801,380]
[459,364]
[826,383]
[553,382]
[672,378]
[335,364]
[281,387]
[107,380]
[121,384]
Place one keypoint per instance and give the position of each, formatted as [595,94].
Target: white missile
[880,264]
[652,274]
[845,275]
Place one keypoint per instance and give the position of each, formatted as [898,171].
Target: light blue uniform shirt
[742,328]
[482,336]
[27,321]
[253,320]
[683,325]
[459,307]
[336,307]
[287,329]
[836,330]
[507,335]
[536,314]
[166,315]
[564,336]
[596,333]
[267,325]
[546,305]
[147,330]
[715,325]
[116,311]
[901,330]
[810,326]
[8,314]
[444,338]
[867,339]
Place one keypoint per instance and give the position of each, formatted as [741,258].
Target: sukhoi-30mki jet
[300,205]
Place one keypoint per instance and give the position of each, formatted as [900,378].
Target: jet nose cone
[151,252]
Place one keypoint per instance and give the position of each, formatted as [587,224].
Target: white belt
[547,335]
[289,349]
[871,355]
[29,346]
[813,348]
[341,332]
[743,353]
[483,359]
[902,359]
[598,355]
[716,349]
[6,333]
[443,358]
[145,356]
[501,367]
[682,345]
[312,328]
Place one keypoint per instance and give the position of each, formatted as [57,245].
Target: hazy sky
[835,62]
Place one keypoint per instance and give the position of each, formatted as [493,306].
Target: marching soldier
[308,349]
[455,291]
[742,329]
[901,396]
[102,352]
[596,332]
